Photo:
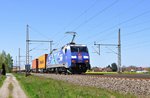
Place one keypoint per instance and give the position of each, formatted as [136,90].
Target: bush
[2,78]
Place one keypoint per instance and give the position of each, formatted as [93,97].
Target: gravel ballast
[138,87]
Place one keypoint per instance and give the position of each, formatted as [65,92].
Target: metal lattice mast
[19,59]
[119,50]
[119,53]
[27,45]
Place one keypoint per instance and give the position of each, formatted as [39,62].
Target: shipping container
[42,61]
[35,65]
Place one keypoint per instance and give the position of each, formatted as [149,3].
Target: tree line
[7,60]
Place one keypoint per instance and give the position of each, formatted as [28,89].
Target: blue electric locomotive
[72,58]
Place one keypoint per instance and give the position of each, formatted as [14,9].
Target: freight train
[71,58]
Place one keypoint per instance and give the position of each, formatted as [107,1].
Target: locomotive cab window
[78,49]
[65,50]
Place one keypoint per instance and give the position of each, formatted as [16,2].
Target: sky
[93,21]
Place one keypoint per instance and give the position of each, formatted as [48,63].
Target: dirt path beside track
[11,88]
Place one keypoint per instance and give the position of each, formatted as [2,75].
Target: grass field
[2,78]
[40,87]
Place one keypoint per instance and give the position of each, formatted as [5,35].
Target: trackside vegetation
[2,78]
[7,60]
[40,87]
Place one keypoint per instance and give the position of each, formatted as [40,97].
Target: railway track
[124,76]
[138,84]
[120,76]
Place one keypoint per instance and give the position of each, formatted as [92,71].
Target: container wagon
[35,65]
[42,63]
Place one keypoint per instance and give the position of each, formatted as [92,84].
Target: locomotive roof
[77,45]
[82,45]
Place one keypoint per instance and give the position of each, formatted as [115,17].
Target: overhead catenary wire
[83,13]
[135,32]
[112,50]
[123,22]
[36,46]
[76,18]
[41,34]
[136,45]
[60,41]
[126,34]
[136,24]
[48,40]
[119,14]
[92,17]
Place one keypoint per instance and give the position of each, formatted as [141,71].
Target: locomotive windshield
[79,49]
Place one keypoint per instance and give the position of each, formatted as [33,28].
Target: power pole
[27,66]
[27,45]
[19,60]
[119,52]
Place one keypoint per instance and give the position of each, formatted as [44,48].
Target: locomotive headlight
[73,57]
[73,61]
[86,61]
[85,57]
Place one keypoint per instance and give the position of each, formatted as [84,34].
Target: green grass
[40,87]
[101,73]
[2,78]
